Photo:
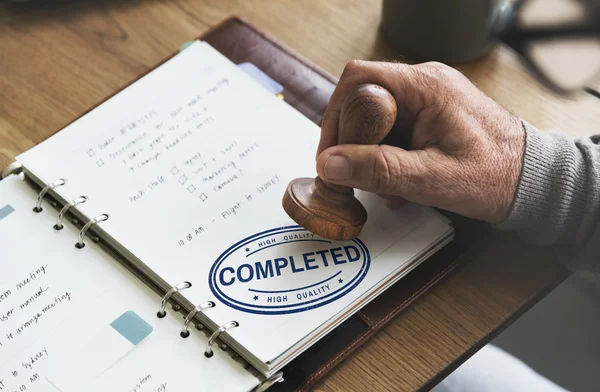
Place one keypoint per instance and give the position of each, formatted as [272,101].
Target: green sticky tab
[185,45]
[132,327]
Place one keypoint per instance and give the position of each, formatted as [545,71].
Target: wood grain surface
[59,58]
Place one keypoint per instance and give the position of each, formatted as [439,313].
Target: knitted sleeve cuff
[550,199]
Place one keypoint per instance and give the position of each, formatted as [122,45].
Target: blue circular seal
[287,270]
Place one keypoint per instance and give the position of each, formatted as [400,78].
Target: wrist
[511,165]
[549,195]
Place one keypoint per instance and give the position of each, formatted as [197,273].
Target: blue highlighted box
[265,80]
[132,327]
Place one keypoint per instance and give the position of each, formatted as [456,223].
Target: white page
[38,265]
[179,196]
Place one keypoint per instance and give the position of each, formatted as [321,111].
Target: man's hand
[465,151]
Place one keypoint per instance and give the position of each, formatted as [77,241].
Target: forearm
[558,197]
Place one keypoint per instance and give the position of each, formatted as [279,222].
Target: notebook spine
[265,384]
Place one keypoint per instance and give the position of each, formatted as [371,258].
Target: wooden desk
[57,61]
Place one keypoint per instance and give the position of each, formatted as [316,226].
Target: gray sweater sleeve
[557,202]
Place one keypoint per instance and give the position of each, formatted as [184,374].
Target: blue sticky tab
[6,211]
[257,74]
[132,327]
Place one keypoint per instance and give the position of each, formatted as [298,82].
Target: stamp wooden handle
[366,117]
[332,211]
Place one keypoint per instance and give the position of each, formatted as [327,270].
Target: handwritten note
[140,142]
[34,303]
[170,148]
[157,143]
[148,383]
[25,376]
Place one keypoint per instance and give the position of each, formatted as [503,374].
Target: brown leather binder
[308,88]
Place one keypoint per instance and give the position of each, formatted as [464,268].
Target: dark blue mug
[449,31]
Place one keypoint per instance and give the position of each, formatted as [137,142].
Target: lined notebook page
[191,162]
[57,304]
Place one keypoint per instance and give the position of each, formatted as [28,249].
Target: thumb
[379,169]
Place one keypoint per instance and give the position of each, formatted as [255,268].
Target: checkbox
[91,153]
[174,170]
[203,196]
[100,162]
[183,179]
[191,188]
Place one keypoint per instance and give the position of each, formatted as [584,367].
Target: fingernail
[337,168]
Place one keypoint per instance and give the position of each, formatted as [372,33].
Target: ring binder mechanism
[163,303]
[63,211]
[40,198]
[13,168]
[211,341]
[84,229]
[184,330]
[269,382]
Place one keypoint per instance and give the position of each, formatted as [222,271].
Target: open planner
[168,260]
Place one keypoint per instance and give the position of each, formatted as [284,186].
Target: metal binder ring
[269,382]
[163,303]
[84,229]
[63,211]
[209,352]
[40,198]
[184,330]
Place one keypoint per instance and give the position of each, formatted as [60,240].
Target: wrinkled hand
[464,151]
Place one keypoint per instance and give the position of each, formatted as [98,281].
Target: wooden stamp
[332,211]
